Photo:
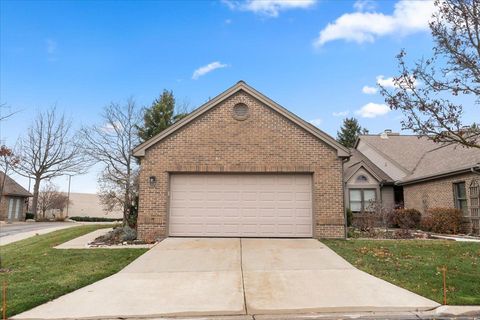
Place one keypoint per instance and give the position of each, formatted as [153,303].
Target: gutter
[440,175]
[475,168]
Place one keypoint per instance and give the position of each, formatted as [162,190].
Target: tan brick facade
[436,193]
[4,205]
[265,142]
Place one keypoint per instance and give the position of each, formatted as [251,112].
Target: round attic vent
[241,111]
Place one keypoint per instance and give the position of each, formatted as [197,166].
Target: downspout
[474,169]
[381,186]
[344,183]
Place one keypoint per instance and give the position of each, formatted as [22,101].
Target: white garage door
[241,205]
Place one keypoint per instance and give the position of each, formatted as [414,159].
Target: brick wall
[436,193]
[265,142]
[4,207]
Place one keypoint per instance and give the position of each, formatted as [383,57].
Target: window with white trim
[361,200]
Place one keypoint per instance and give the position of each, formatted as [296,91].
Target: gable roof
[359,160]
[139,151]
[12,188]
[421,158]
[444,160]
[403,150]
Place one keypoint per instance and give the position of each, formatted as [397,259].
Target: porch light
[152,180]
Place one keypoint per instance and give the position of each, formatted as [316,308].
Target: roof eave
[436,175]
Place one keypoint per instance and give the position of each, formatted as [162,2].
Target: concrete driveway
[189,277]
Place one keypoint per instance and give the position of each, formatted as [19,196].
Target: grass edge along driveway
[416,265]
[36,273]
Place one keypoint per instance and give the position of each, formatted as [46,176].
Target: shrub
[366,222]
[129,234]
[442,220]
[406,218]
[94,219]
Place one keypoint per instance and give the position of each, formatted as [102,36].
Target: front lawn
[416,265]
[37,273]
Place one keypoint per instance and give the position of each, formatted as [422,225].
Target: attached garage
[241,165]
[241,205]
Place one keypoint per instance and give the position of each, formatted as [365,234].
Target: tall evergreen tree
[349,132]
[160,115]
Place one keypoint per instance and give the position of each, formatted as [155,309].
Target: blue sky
[312,57]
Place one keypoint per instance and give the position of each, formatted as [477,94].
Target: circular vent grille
[240,111]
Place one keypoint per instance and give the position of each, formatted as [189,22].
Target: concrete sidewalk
[200,277]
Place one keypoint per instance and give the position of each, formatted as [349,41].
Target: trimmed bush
[406,218]
[442,220]
[94,219]
[29,216]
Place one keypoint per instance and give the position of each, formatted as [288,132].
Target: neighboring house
[412,172]
[13,204]
[241,165]
[89,205]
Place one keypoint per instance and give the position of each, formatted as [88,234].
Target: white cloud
[206,69]
[385,82]
[316,122]
[389,83]
[365,5]
[341,113]
[369,90]
[409,16]
[372,110]
[270,8]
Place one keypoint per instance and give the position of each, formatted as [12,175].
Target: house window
[362,179]
[361,200]
[460,197]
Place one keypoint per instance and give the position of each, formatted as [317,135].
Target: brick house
[14,199]
[241,165]
[412,172]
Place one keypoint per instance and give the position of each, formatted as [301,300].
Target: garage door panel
[248,205]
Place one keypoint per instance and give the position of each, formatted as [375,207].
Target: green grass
[416,265]
[37,273]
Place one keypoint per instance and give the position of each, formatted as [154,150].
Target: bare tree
[50,198]
[49,149]
[8,114]
[427,92]
[111,143]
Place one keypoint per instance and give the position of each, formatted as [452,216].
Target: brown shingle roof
[445,159]
[422,157]
[12,188]
[358,160]
[406,151]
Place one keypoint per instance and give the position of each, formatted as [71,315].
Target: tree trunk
[36,188]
